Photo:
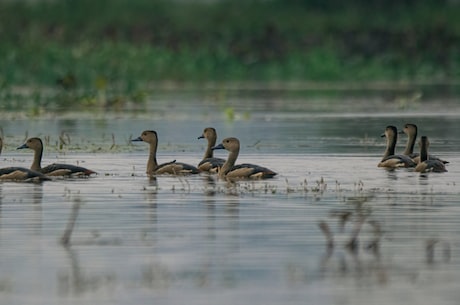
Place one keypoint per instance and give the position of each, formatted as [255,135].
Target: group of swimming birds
[422,162]
[225,169]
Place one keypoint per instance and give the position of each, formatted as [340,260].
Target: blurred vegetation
[109,51]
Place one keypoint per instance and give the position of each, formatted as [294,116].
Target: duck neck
[152,161]
[209,152]
[229,163]
[37,163]
[423,153]
[391,143]
[410,143]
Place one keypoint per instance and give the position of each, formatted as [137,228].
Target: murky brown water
[196,240]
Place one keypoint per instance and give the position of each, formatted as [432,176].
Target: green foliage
[129,44]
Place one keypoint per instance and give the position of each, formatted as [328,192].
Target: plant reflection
[77,282]
[350,261]
[156,276]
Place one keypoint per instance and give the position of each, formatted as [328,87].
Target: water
[197,240]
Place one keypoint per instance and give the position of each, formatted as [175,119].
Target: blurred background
[113,52]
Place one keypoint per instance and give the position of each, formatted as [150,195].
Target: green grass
[120,47]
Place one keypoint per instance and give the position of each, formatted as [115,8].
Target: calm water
[197,240]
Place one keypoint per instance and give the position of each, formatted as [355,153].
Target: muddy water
[198,240]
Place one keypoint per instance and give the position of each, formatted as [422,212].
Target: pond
[330,228]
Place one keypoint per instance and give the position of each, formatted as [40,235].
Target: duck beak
[23,146]
[138,139]
[201,137]
[220,146]
[401,132]
[382,135]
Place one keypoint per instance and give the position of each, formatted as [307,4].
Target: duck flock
[225,169]
[422,162]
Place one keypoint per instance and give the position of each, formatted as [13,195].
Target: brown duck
[241,171]
[55,169]
[173,167]
[426,164]
[209,163]
[411,131]
[389,159]
[15,173]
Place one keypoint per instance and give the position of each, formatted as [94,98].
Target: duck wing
[397,161]
[58,169]
[21,174]
[176,168]
[210,164]
[431,166]
[253,171]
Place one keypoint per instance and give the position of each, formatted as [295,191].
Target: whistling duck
[231,171]
[55,169]
[15,173]
[389,159]
[209,163]
[426,164]
[411,131]
[173,167]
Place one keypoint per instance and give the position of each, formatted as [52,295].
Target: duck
[16,173]
[389,159]
[241,171]
[411,131]
[55,169]
[209,163]
[426,164]
[173,167]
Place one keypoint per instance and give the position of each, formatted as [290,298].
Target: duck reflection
[150,198]
[31,197]
[233,193]
[210,190]
[37,195]
[221,236]
[230,204]
[151,191]
[210,187]
[37,200]
[423,179]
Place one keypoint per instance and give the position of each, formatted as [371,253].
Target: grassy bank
[123,46]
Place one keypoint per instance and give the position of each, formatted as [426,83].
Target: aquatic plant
[229,114]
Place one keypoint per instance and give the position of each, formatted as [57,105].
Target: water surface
[198,240]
